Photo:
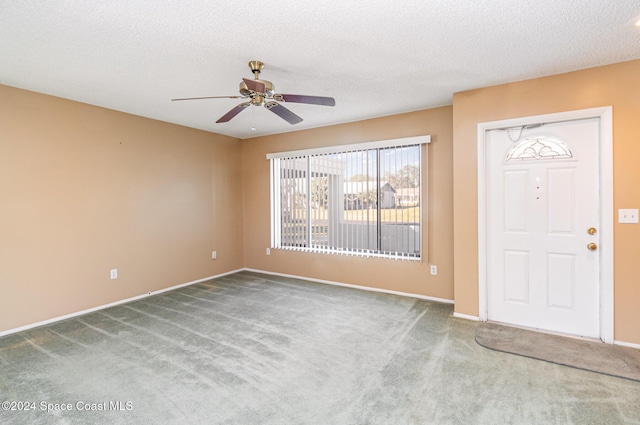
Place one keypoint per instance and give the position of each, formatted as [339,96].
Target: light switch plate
[629,216]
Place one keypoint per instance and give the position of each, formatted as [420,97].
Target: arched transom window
[539,148]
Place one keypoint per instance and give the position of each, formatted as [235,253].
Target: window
[539,148]
[362,199]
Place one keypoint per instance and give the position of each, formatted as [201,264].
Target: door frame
[605,115]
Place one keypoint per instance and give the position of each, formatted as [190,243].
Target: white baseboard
[348,285]
[627,344]
[328,282]
[102,307]
[466,317]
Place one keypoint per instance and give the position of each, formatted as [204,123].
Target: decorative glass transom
[539,148]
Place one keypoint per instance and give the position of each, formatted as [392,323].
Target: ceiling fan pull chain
[519,134]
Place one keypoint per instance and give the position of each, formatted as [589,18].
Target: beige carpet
[614,360]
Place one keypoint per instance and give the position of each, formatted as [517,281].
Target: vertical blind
[363,199]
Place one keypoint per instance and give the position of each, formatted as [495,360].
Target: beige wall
[85,189]
[615,85]
[378,273]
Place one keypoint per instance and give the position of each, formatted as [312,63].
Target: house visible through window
[363,199]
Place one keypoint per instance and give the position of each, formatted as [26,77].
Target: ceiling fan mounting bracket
[256,67]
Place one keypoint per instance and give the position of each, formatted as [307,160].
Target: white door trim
[605,114]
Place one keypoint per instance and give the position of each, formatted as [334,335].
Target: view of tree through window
[363,202]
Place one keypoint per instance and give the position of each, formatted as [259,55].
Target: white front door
[543,227]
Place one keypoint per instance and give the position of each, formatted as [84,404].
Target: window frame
[305,155]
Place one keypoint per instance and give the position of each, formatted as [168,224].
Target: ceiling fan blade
[255,85]
[283,112]
[232,113]
[299,98]
[209,97]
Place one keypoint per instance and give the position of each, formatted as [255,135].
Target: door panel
[561,280]
[516,272]
[561,208]
[543,195]
[516,187]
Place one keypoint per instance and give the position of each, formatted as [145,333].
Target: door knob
[591,230]
[592,246]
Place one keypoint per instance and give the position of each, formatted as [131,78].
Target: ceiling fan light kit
[262,93]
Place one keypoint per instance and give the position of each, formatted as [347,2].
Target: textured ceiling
[377,58]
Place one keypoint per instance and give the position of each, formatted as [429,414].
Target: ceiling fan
[262,93]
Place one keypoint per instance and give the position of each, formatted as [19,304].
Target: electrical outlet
[629,216]
[214,255]
[114,273]
[434,270]
[268,251]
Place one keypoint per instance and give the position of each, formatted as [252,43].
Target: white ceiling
[376,58]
